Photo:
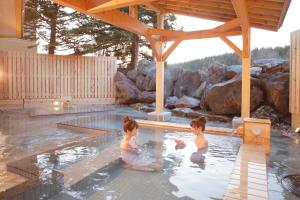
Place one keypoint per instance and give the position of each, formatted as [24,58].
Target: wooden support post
[246,79]
[160,69]
[240,7]
[159,86]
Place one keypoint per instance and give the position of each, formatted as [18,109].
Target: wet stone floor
[38,159]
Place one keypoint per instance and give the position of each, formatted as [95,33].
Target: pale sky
[194,49]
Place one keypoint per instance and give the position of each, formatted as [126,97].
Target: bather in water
[132,155]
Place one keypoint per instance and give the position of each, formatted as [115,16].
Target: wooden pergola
[238,17]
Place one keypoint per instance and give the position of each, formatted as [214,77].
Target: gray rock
[216,73]
[143,107]
[225,97]
[132,74]
[145,67]
[255,71]
[127,92]
[187,102]
[187,84]
[200,91]
[148,82]
[171,102]
[272,65]
[233,70]
[147,97]
[181,112]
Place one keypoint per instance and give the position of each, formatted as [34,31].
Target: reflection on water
[179,179]
[200,174]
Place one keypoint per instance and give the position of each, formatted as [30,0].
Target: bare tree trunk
[53,23]
[134,50]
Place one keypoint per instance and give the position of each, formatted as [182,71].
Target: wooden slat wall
[38,76]
[295,73]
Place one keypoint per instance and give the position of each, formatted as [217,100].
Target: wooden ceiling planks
[264,14]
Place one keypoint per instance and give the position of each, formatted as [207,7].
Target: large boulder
[216,73]
[148,82]
[200,90]
[147,97]
[272,65]
[145,67]
[132,74]
[225,97]
[187,84]
[233,70]
[276,87]
[127,92]
[168,83]
[187,102]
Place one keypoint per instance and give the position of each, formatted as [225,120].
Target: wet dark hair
[198,122]
[129,124]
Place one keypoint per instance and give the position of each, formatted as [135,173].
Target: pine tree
[62,29]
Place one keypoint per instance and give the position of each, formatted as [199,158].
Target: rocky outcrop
[216,90]
[132,74]
[233,70]
[145,67]
[187,84]
[225,97]
[200,90]
[127,92]
[276,87]
[216,73]
[272,65]
[147,97]
[187,102]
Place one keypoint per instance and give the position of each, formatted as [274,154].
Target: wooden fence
[36,76]
[295,78]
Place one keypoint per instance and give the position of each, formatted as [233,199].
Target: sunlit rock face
[225,97]
[276,88]
[126,90]
[216,89]
[187,83]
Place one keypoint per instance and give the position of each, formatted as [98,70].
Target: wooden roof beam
[171,35]
[113,17]
[232,45]
[202,34]
[241,10]
[153,7]
[115,4]
[167,53]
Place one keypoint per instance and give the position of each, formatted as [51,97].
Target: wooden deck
[249,177]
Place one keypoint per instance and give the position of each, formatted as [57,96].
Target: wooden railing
[38,76]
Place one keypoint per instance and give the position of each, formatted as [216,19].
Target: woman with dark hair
[131,154]
[198,126]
